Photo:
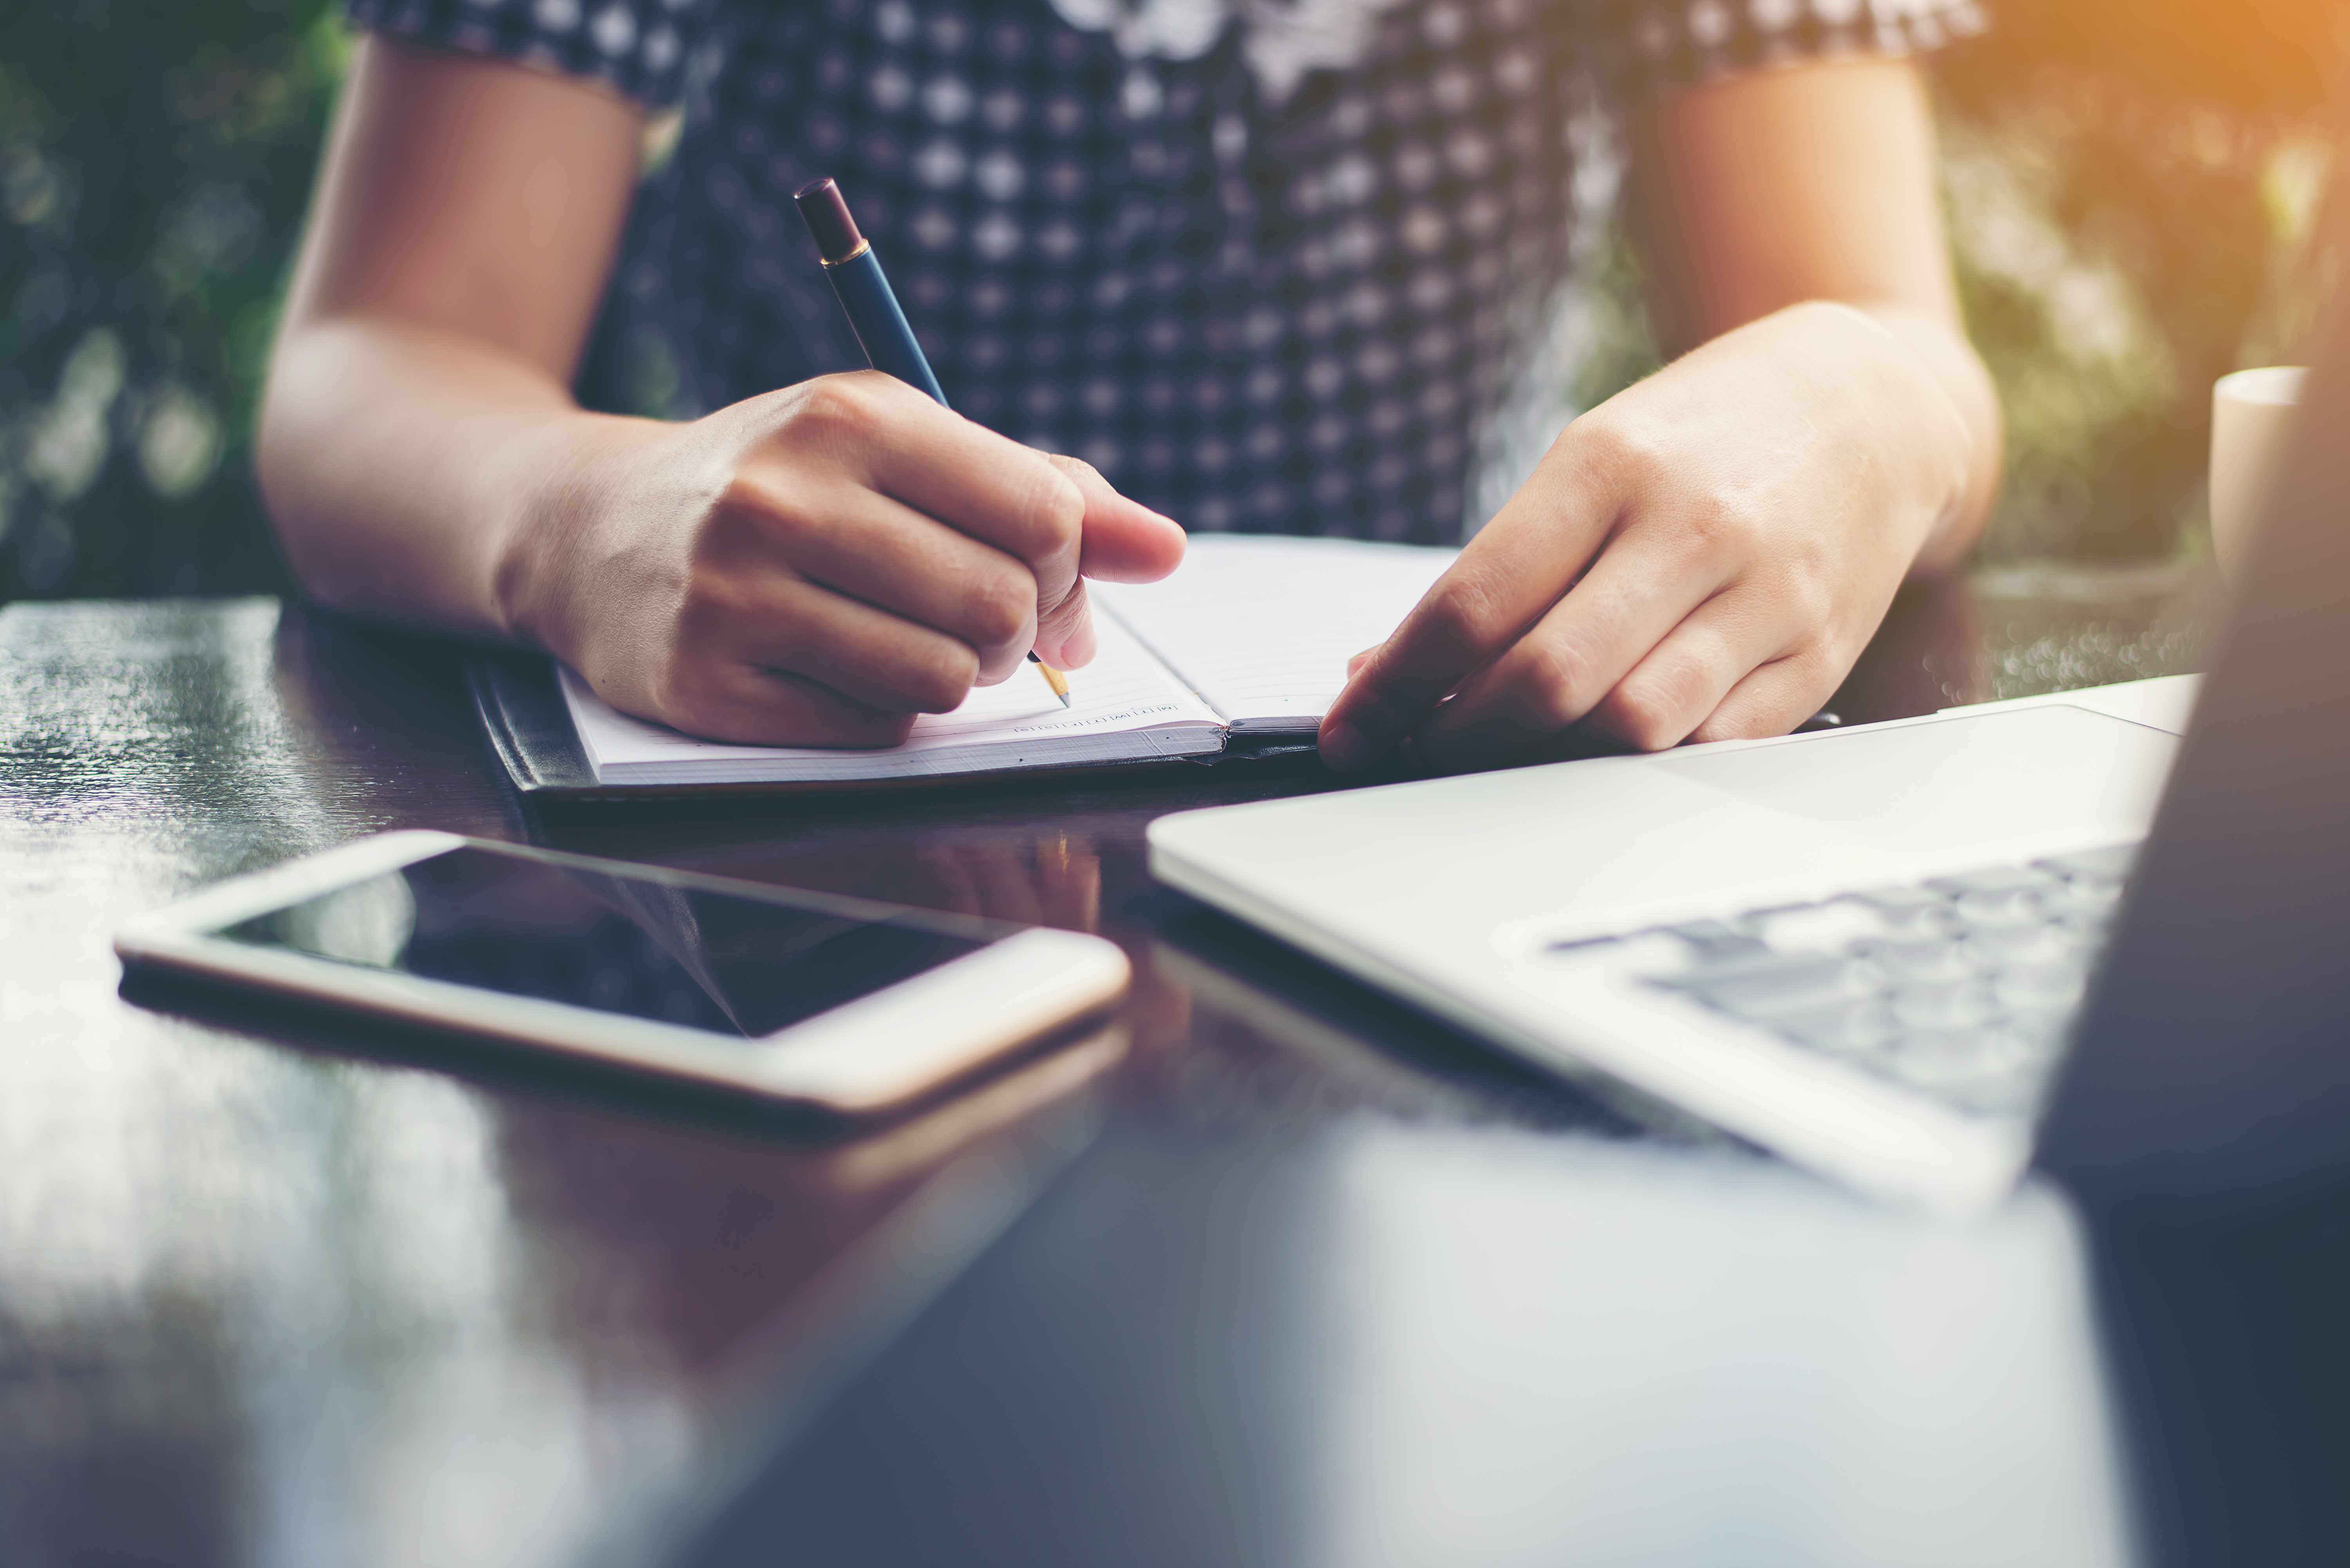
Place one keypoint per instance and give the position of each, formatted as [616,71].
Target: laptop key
[1926,960]
[2041,987]
[2083,900]
[1994,881]
[1844,1028]
[1958,1060]
[1934,1058]
[1974,912]
[1964,1005]
[2003,946]
[2108,865]
[1713,968]
[1795,984]
[2044,1030]
[1901,900]
[1714,940]
[1816,927]
[1996,1094]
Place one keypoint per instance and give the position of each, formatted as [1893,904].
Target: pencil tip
[1064,699]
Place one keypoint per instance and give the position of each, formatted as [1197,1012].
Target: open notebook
[1250,637]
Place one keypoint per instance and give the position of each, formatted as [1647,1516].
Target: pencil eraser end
[826,216]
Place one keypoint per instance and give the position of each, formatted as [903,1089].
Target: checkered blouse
[1271,266]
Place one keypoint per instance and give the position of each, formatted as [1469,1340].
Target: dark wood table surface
[278,1290]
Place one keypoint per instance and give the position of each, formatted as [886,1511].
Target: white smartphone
[850,1006]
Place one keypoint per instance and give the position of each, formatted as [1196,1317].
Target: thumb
[1125,542]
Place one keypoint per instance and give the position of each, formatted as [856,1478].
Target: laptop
[1918,957]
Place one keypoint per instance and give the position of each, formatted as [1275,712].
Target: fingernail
[1344,747]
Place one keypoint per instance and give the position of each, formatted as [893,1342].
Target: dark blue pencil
[874,315]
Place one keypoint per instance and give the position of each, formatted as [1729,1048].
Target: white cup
[2252,412]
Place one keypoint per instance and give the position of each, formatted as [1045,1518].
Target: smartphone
[852,1007]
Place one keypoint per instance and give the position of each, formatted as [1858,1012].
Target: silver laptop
[1909,955]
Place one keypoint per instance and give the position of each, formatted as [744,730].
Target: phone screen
[617,944]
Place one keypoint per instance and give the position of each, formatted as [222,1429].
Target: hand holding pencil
[874,315]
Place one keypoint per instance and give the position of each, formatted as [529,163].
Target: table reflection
[274,1290]
[1389,1343]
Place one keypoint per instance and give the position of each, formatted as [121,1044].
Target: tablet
[838,1003]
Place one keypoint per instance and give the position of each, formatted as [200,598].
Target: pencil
[1053,678]
[874,315]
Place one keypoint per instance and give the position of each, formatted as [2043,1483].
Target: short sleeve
[1653,47]
[638,49]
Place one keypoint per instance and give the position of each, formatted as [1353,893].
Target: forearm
[1819,185]
[406,469]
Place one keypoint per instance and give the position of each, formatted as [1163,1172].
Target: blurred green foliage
[2134,189]
[154,163]
[2132,186]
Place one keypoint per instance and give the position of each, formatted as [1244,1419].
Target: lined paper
[1261,626]
[1125,706]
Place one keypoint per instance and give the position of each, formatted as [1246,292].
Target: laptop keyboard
[1963,986]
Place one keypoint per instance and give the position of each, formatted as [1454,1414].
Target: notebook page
[1262,626]
[1124,707]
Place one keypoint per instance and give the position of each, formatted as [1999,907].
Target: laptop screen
[2213,1059]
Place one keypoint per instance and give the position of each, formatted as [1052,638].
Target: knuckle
[1055,515]
[752,516]
[714,599]
[1725,525]
[831,405]
[1644,714]
[703,610]
[681,696]
[1464,615]
[938,679]
[881,729]
[999,605]
[1557,674]
[1808,600]
[1624,447]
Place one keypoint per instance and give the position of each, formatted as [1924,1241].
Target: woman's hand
[816,566]
[812,567]
[1702,556]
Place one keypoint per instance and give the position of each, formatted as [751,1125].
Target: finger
[1571,659]
[1121,541]
[867,654]
[754,707]
[1685,677]
[963,474]
[1506,578]
[1771,700]
[1125,542]
[871,547]
[883,434]
[1356,663]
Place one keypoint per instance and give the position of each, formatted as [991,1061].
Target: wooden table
[281,1291]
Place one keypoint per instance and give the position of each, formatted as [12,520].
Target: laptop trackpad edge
[2055,771]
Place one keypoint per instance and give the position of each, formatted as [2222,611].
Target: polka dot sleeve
[638,49]
[1663,45]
